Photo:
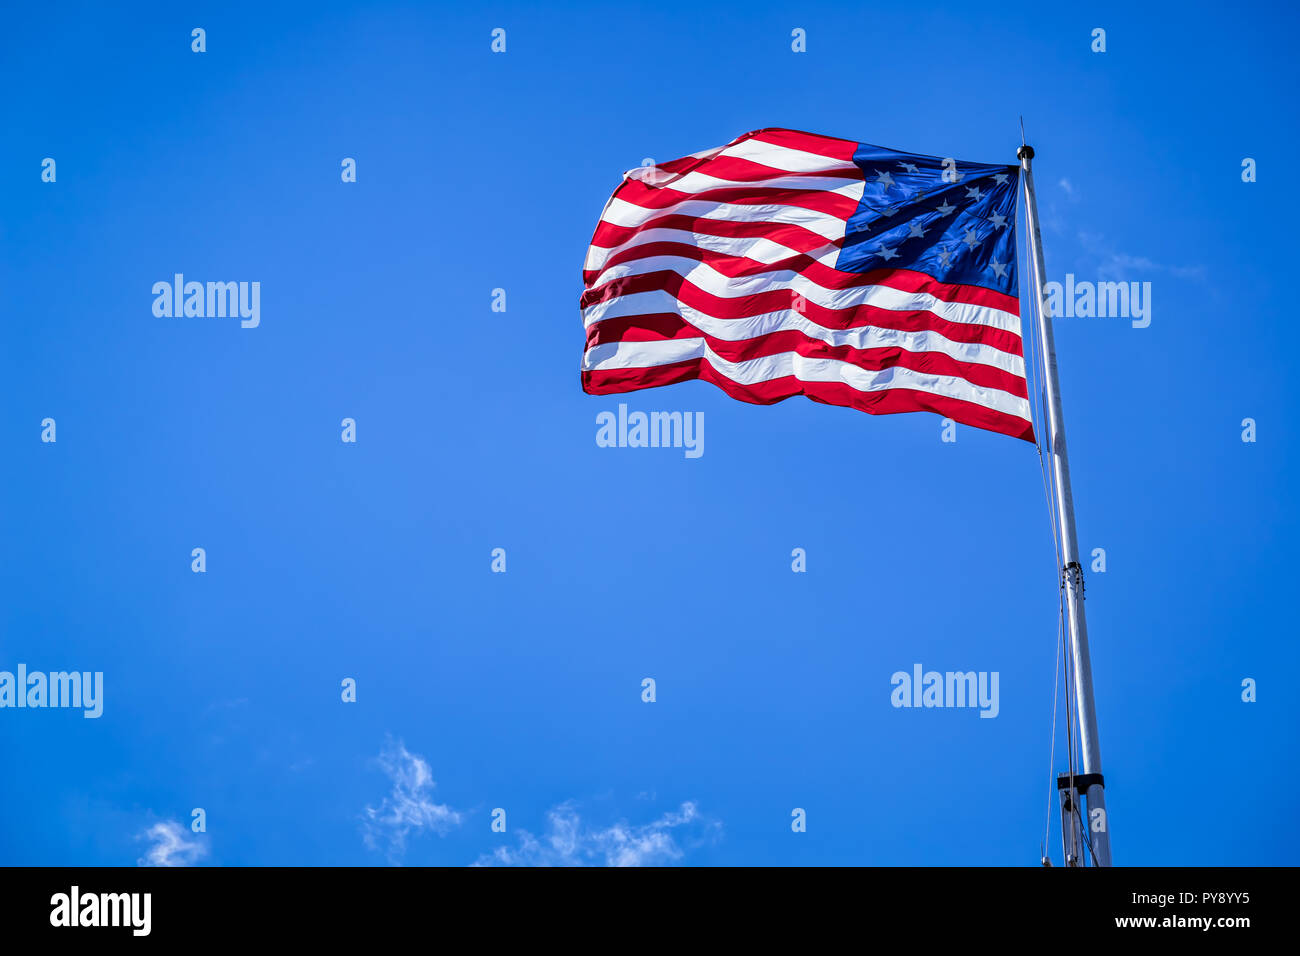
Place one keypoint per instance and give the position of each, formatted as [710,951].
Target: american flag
[788,263]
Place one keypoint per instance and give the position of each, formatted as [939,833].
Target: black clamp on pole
[1081,781]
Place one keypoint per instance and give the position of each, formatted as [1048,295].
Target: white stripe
[754,371]
[758,248]
[864,337]
[619,212]
[700,180]
[709,280]
[787,158]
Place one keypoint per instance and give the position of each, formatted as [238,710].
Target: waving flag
[787,263]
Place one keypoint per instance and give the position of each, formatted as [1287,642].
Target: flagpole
[1090,782]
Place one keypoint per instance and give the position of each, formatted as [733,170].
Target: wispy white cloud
[570,842]
[1066,185]
[171,846]
[408,808]
[1120,265]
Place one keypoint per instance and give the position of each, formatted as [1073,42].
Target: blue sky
[522,690]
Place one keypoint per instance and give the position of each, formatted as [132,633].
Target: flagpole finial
[1025,150]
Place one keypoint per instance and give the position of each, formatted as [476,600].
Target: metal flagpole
[1090,783]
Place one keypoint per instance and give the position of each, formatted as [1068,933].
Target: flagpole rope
[1051,757]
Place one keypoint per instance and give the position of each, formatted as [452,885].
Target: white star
[973,192]
[885,178]
[889,211]
[887,254]
[944,257]
[915,230]
[998,220]
[1000,178]
[970,239]
[999,269]
[945,209]
[911,167]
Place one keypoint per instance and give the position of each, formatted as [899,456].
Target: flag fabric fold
[789,263]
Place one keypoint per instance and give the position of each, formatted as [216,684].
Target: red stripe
[841,149]
[686,163]
[743,170]
[793,237]
[818,200]
[667,325]
[887,402]
[732,266]
[776,300]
